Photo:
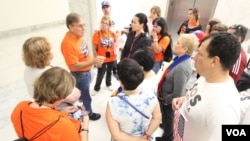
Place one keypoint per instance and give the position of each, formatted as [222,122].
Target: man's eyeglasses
[79,25]
[104,23]
[105,6]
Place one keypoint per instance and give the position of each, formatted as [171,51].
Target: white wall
[125,10]
[23,13]
[234,12]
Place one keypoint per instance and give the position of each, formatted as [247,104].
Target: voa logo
[236,132]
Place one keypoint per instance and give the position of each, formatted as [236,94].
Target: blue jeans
[157,67]
[114,67]
[83,83]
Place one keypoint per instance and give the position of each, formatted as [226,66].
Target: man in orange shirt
[78,59]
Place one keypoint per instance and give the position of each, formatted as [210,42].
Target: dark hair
[240,30]
[224,45]
[163,24]
[143,20]
[72,18]
[130,73]
[195,13]
[145,58]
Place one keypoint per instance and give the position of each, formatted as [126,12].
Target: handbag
[39,133]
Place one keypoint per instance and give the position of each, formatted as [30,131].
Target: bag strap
[39,133]
[21,113]
[123,98]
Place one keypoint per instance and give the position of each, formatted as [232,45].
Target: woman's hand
[154,34]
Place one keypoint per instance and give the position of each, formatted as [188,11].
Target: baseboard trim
[18,31]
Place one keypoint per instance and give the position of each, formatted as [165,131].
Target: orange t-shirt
[34,120]
[75,50]
[164,42]
[191,24]
[105,42]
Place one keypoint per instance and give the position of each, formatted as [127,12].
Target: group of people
[143,102]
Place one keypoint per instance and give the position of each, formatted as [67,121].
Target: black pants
[167,122]
[106,67]
[114,67]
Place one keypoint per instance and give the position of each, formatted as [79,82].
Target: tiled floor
[13,90]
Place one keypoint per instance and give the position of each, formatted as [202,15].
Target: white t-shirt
[150,24]
[30,75]
[207,106]
[245,107]
[150,83]
[193,77]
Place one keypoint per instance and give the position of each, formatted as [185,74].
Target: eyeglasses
[79,25]
[104,23]
[105,6]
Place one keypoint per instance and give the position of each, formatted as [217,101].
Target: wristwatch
[85,129]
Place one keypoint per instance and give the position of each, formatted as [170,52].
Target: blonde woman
[39,120]
[174,83]
[103,42]
[37,56]
[155,12]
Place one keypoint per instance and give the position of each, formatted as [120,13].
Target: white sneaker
[111,88]
[94,93]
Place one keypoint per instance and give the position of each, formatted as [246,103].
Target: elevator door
[177,13]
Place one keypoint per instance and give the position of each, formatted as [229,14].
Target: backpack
[168,53]
[244,81]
